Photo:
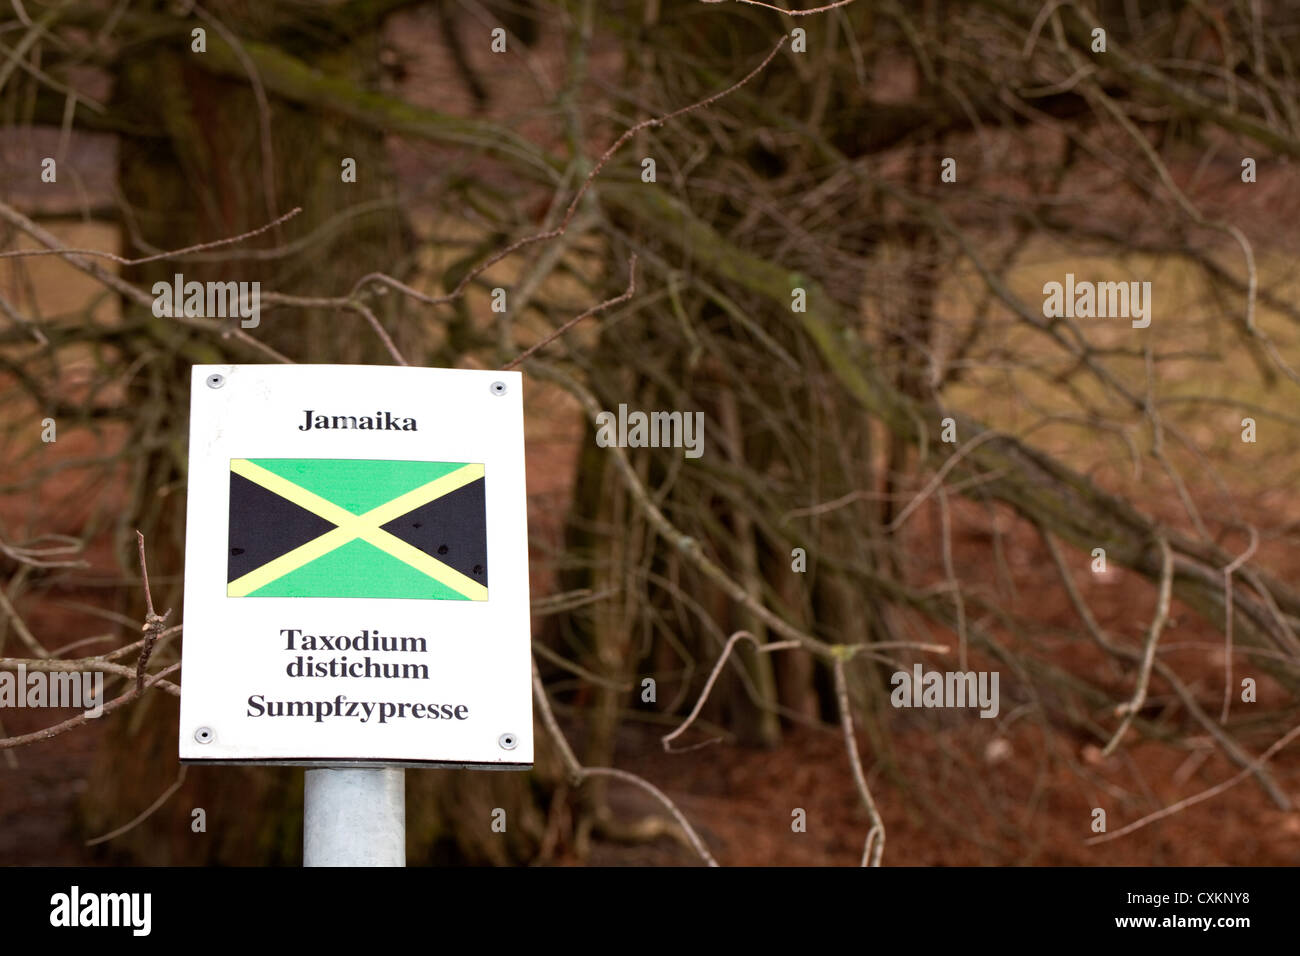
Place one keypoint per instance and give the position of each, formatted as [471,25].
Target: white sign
[356,568]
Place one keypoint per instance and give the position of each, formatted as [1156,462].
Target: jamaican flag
[313,527]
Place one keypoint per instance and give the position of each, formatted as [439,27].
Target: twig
[874,848]
[579,774]
[631,290]
[149,811]
[20,626]
[762,648]
[1130,709]
[569,600]
[75,722]
[1227,619]
[1200,797]
[937,479]
[114,257]
[153,623]
[31,555]
[580,671]
[80,666]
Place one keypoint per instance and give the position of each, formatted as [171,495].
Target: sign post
[354,818]
[356,585]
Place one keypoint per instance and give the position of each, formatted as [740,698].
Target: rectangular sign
[356,568]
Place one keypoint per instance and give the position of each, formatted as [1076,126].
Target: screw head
[498,388]
[204,735]
[216,380]
[508,741]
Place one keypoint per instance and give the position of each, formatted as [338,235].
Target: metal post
[354,818]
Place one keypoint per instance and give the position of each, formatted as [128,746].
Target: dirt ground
[994,792]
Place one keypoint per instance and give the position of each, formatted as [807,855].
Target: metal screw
[498,388]
[204,735]
[507,741]
[216,381]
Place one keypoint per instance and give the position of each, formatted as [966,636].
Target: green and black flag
[360,528]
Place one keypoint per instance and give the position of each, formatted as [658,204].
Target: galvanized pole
[354,818]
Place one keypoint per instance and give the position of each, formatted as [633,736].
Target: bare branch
[146,814]
[1200,797]
[1130,709]
[874,848]
[578,773]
